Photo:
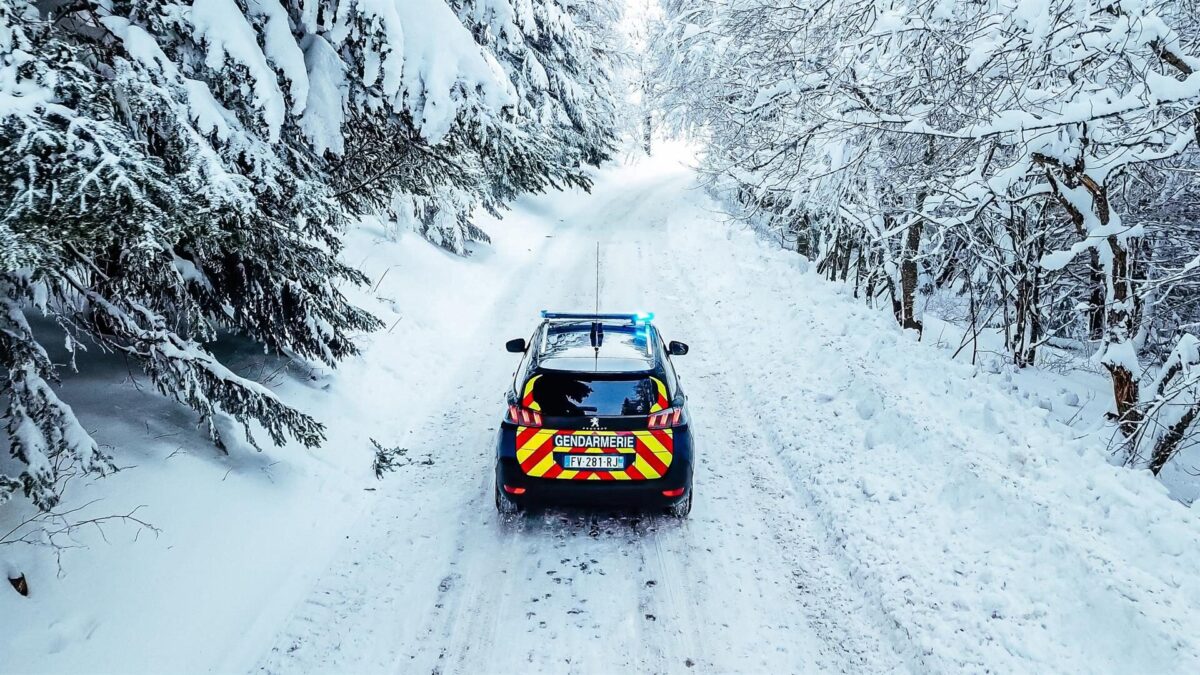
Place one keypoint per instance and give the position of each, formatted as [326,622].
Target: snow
[1057,260]
[443,74]
[19,95]
[1121,355]
[422,58]
[864,503]
[325,113]
[225,32]
[140,45]
[209,115]
[436,64]
[281,49]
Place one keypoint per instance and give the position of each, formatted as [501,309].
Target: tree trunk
[1118,302]
[1184,357]
[859,265]
[1095,301]
[1027,329]
[1119,332]
[1166,446]
[647,132]
[908,277]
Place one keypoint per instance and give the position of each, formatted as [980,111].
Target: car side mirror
[517,346]
[677,348]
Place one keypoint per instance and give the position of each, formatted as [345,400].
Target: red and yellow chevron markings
[660,396]
[527,398]
[537,451]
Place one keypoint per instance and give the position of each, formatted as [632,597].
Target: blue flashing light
[632,317]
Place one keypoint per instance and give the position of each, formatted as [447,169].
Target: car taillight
[524,416]
[666,419]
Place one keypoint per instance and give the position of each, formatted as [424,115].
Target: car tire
[505,504]
[682,508]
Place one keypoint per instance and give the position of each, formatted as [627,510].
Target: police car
[595,415]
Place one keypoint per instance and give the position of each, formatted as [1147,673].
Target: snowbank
[240,536]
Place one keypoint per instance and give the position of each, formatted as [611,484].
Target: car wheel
[682,508]
[504,503]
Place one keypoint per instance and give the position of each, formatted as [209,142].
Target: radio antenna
[597,277]
[596,327]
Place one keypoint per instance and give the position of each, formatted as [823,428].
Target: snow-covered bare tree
[1002,149]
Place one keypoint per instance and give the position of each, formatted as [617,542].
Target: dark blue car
[596,415]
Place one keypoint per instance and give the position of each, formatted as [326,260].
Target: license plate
[606,462]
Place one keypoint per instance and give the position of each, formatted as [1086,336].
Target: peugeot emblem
[595,422]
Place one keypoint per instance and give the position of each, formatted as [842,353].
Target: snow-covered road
[433,580]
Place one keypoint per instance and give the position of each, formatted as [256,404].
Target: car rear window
[576,395]
[573,340]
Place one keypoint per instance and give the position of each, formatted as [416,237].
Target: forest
[178,174]
[902,306]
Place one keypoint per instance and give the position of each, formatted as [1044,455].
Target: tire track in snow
[669,570]
[330,629]
[834,607]
[462,626]
[877,645]
[670,634]
[459,626]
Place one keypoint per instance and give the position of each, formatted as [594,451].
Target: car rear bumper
[627,493]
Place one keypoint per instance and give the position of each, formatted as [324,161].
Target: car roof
[597,346]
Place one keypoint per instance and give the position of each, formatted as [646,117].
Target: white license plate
[608,462]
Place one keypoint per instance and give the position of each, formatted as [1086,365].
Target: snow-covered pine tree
[562,120]
[397,145]
[172,172]
[164,182]
[158,210]
[560,56]
[591,84]
[558,118]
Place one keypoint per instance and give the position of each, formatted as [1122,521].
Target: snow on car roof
[568,346]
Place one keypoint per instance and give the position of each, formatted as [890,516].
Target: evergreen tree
[562,121]
[172,172]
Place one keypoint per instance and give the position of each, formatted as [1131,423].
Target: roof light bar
[632,317]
